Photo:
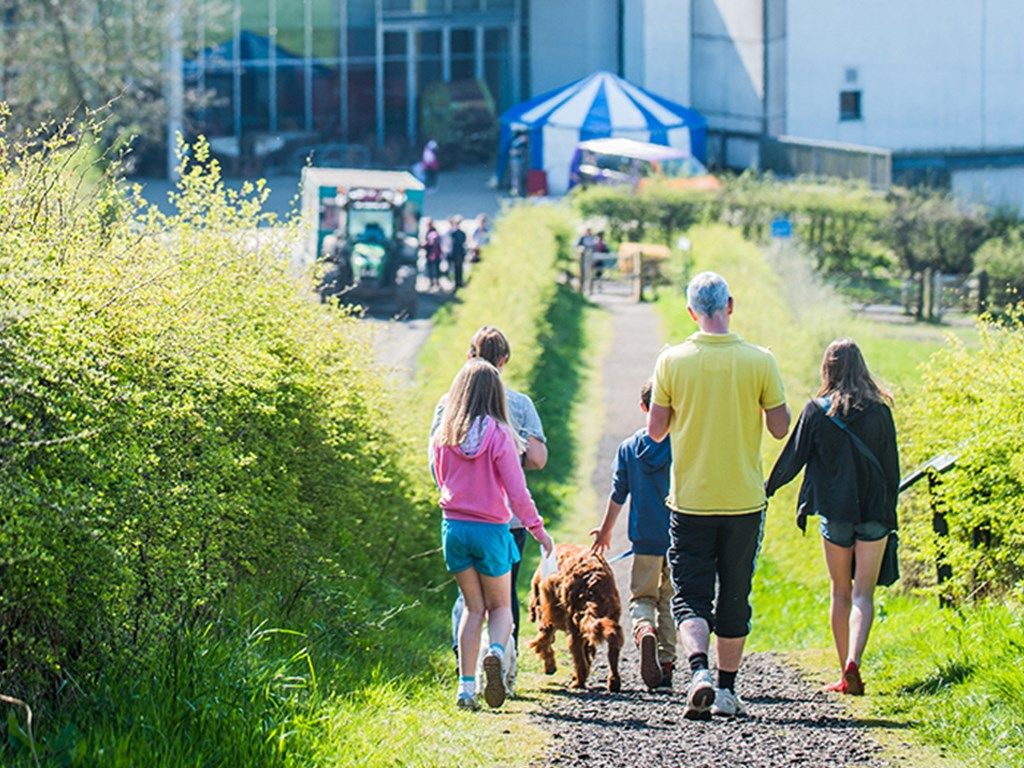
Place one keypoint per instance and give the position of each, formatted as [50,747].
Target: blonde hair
[476,391]
[845,379]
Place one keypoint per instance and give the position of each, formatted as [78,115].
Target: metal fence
[793,156]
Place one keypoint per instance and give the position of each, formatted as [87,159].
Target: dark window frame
[851,105]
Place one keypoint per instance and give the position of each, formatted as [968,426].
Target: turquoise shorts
[487,547]
[844,534]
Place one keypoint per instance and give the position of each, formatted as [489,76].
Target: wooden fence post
[943,570]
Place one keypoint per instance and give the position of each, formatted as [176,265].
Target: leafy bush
[179,418]
[970,405]
[1001,260]
[515,288]
[932,232]
[657,210]
[856,237]
[839,224]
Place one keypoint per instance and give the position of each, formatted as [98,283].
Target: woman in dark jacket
[853,490]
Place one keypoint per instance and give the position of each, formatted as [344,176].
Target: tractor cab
[366,223]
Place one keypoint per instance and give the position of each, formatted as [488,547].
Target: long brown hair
[476,391]
[491,345]
[845,379]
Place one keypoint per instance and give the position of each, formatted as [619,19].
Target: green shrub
[659,211]
[970,405]
[840,224]
[179,418]
[1001,260]
[515,288]
[858,238]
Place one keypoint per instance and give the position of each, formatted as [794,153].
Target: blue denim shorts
[487,547]
[844,534]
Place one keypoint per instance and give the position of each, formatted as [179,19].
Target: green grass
[954,679]
[355,668]
[556,337]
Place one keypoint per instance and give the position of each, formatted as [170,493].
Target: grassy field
[952,679]
[408,718]
[363,675]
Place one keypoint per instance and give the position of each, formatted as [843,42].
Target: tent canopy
[596,106]
[251,48]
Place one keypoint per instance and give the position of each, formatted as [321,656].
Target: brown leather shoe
[650,669]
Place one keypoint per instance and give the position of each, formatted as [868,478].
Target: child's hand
[602,541]
[546,544]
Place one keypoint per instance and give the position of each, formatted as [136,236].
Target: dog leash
[621,556]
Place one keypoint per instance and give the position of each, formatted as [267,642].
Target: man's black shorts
[709,547]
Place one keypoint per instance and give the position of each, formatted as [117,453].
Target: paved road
[791,722]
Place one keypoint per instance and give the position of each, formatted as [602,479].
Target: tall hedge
[178,415]
[971,406]
[839,223]
[852,233]
[1001,260]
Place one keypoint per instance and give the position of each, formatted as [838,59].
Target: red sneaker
[839,686]
[851,676]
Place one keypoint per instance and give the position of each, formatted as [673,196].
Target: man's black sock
[698,661]
[727,680]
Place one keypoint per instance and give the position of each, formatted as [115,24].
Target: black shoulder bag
[890,570]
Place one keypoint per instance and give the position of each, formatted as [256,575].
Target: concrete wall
[728,63]
[657,46]
[570,39]
[776,86]
[994,187]
[933,76]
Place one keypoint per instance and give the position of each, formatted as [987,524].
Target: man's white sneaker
[699,696]
[728,704]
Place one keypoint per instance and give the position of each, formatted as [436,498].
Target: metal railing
[793,156]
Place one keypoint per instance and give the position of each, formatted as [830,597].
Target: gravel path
[790,723]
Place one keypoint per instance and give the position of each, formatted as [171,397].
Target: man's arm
[777,421]
[536,455]
[658,420]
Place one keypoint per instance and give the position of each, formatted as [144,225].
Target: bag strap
[825,404]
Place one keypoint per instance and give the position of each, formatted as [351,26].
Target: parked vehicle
[363,224]
[626,162]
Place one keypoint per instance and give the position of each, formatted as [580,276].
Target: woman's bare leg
[840,569]
[868,558]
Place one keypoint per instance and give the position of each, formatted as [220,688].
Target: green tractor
[366,234]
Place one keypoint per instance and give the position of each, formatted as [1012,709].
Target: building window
[849,105]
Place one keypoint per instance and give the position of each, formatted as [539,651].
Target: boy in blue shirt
[641,472]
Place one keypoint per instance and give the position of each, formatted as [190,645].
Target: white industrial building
[940,83]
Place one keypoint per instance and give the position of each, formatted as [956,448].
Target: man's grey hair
[707,294]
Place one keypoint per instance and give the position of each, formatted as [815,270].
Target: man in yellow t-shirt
[711,395]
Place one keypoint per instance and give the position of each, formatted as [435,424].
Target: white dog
[509,665]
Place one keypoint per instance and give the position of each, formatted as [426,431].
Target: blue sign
[782,228]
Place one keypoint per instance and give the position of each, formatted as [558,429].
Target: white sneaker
[728,704]
[699,696]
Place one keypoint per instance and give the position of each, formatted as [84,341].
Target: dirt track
[790,721]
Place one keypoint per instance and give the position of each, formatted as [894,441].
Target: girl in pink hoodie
[476,458]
